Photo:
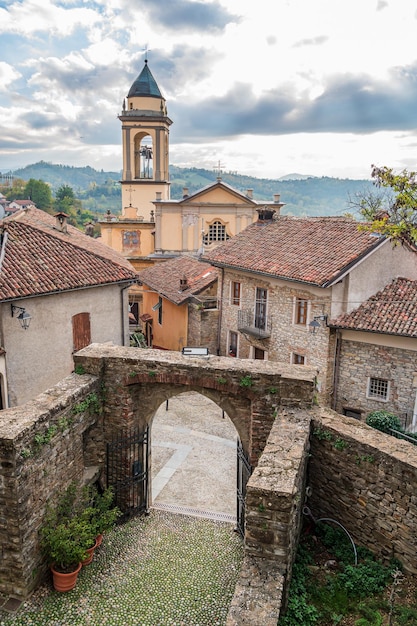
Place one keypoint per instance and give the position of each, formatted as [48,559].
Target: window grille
[378,388]
[217,233]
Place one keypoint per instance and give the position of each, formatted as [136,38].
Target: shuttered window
[81,331]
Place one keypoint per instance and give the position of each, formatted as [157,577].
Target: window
[301,307]
[260,308]
[160,311]
[378,389]
[217,233]
[298,359]
[352,413]
[259,354]
[232,343]
[235,289]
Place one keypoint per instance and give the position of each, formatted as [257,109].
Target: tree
[393,212]
[39,192]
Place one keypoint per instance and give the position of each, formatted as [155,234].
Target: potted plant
[68,538]
[103,514]
[64,544]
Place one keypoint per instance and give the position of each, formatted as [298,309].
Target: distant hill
[303,195]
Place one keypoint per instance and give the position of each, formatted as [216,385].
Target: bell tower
[145,137]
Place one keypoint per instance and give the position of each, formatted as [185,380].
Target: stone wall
[367,481]
[359,361]
[41,452]
[274,502]
[286,337]
[203,328]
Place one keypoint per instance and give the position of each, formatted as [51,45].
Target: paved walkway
[194,458]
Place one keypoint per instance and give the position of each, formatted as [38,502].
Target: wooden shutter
[81,331]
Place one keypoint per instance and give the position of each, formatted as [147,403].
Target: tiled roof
[145,85]
[314,250]
[392,311]
[164,278]
[40,260]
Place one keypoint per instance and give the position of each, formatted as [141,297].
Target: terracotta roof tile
[165,277]
[313,250]
[39,260]
[392,311]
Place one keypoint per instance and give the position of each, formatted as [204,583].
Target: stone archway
[137,382]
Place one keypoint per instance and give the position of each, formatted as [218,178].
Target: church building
[153,227]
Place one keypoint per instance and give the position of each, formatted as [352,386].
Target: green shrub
[365,579]
[384,421]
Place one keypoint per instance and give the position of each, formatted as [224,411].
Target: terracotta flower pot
[90,552]
[99,540]
[64,582]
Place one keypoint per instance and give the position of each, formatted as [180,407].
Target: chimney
[185,193]
[61,222]
[89,229]
[249,193]
[183,283]
[265,214]
[276,198]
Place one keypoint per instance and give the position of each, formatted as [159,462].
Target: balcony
[256,325]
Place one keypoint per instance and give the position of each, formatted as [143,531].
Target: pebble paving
[163,569]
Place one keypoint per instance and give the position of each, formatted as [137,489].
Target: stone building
[59,291]
[375,367]
[284,278]
[180,304]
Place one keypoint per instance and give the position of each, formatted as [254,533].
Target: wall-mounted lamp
[315,324]
[22,315]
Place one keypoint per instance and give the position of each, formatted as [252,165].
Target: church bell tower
[145,137]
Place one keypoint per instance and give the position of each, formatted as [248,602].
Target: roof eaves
[368,330]
[123,281]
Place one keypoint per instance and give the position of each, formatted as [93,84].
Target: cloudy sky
[265,87]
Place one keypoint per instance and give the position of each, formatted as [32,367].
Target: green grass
[162,569]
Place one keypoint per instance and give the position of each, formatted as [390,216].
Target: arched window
[143,157]
[216,233]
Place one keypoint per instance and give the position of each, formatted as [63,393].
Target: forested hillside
[100,191]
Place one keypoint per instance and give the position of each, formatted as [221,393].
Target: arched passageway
[193,457]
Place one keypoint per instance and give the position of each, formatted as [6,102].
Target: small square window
[378,389]
[298,359]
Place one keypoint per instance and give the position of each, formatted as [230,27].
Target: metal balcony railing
[256,325]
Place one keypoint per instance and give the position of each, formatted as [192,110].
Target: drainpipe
[336,367]
[219,324]
[125,326]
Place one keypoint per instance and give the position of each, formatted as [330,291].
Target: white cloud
[267,87]
[8,75]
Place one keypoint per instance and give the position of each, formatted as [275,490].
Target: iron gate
[244,470]
[128,469]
